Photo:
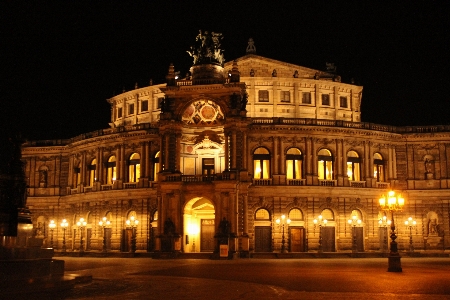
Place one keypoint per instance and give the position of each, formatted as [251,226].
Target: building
[216,157]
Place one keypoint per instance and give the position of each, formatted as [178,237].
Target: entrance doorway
[207,235]
[328,239]
[263,239]
[198,228]
[297,239]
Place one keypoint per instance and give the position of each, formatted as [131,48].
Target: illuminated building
[217,156]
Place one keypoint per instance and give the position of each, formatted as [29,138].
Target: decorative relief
[203,112]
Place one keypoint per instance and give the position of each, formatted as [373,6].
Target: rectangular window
[306,98]
[131,109]
[325,99]
[343,101]
[263,96]
[144,105]
[119,112]
[285,96]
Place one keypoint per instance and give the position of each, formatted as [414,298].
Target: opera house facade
[254,154]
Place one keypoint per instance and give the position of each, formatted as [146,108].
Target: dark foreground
[344,278]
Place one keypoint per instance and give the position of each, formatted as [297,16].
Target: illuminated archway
[198,225]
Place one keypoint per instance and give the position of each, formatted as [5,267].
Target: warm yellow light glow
[382,201]
[64,223]
[52,224]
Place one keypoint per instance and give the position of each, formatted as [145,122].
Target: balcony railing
[358,184]
[327,182]
[106,187]
[130,185]
[383,185]
[262,181]
[296,182]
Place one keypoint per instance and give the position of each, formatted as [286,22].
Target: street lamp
[64,225]
[104,223]
[384,223]
[133,223]
[321,222]
[52,226]
[391,203]
[81,225]
[353,222]
[410,224]
[283,221]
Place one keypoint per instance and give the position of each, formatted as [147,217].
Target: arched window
[134,167]
[378,167]
[353,166]
[295,214]
[294,164]
[357,214]
[325,165]
[155,216]
[111,170]
[261,163]
[92,172]
[76,175]
[156,166]
[327,214]
[262,214]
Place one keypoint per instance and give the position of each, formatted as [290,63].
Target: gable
[263,67]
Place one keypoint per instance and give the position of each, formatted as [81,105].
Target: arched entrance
[199,225]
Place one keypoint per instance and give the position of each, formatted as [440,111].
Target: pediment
[264,67]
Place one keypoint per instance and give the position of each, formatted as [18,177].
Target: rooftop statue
[207,49]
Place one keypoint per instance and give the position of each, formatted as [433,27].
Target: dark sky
[62,60]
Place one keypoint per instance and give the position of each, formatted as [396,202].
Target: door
[208,169]
[328,239]
[108,234]
[383,234]
[207,235]
[297,239]
[88,238]
[263,239]
[359,239]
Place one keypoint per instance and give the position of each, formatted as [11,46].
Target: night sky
[62,60]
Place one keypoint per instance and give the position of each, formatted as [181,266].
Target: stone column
[227,151]
[233,150]
[275,155]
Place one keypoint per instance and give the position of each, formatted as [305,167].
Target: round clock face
[202,112]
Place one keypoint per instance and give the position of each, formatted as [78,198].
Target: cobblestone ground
[357,278]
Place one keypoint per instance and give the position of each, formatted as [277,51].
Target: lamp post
[132,222]
[64,225]
[282,222]
[81,225]
[104,223]
[384,223]
[410,224]
[52,226]
[353,222]
[320,221]
[392,203]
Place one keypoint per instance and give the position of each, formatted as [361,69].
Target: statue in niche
[432,227]
[427,163]
[43,178]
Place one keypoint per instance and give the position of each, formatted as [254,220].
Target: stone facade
[226,151]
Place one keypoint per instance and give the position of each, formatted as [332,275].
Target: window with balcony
[294,164]
[325,165]
[92,170]
[134,167]
[378,167]
[111,170]
[261,163]
[353,166]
